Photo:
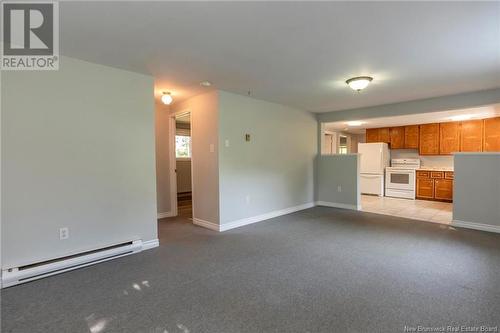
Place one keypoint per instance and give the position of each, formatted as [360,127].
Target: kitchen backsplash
[429,161]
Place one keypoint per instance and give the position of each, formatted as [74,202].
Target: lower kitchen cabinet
[443,189]
[425,188]
[434,185]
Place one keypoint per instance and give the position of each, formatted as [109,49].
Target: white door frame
[173,160]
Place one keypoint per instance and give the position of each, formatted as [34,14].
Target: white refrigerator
[374,157]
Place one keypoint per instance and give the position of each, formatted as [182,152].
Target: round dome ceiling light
[167,98]
[205,83]
[360,82]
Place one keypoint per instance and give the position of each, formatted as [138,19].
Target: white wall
[162,123]
[204,134]
[476,191]
[77,152]
[275,169]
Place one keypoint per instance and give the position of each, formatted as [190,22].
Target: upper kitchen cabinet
[429,139]
[471,136]
[378,135]
[371,135]
[397,135]
[491,134]
[384,135]
[411,137]
[449,138]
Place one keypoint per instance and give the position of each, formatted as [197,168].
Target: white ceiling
[294,53]
[414,119]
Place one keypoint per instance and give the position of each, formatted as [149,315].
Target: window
[342,144]
[182,146]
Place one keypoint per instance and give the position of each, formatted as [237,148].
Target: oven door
[400,179]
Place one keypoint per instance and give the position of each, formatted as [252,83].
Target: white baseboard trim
[147,245]
[165,214]
[263,217]
[476,226]
[206,224]
[338,205]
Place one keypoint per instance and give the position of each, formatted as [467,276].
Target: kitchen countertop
[425,168]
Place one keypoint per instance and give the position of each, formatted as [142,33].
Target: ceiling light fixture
[354,123]
[461,117]
[205,83]
[167,98]
[360,82]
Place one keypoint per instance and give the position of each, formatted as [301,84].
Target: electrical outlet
[247,199]
[63,233]
[226,143]
[339,188]
[212,148]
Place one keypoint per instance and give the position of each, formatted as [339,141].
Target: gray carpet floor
[318,270]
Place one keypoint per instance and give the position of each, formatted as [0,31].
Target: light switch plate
[212,148]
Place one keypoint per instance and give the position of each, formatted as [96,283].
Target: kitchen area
[406,164]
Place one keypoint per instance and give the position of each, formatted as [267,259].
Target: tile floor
[432,211]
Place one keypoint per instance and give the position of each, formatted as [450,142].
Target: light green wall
[476,190]
[443,103]
[275,169]
[162,139]
[204,110]
[334,171]
[77,152]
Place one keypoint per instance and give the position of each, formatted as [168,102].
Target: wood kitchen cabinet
[491,134]
[384,135]
[471,136]
[442,138]
[378,135]
[443,189]
[435,185]
[371,135]
[397,135]
[429,139]
[411,137]
[449,138]
[425,188]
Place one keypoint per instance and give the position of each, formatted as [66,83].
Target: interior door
[328,144]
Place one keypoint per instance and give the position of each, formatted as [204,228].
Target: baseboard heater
[18,275]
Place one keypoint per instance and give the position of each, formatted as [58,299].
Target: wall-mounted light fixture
[167,98]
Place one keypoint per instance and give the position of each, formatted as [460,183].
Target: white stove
[400,178]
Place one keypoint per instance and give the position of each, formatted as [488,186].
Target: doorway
[181,165]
